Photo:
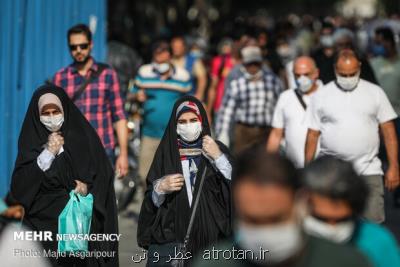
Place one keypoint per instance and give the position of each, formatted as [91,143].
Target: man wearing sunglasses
[95,90]
[336,198]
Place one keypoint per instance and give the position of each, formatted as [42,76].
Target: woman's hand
[211,148]
[54,143]
[170,183]
[81,188]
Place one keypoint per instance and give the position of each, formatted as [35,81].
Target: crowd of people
[284,145]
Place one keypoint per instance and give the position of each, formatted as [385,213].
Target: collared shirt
[161,96]
[349,123]
[251,102]
[101,101]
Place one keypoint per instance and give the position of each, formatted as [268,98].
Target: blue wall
[33,47]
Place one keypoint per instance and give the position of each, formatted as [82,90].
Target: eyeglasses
[81,46]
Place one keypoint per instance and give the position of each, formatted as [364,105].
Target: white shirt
[349,123]
[290,115]
[46,158]
[222,164]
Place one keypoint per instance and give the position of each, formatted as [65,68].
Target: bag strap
[300,98]
[196,204]
[94,75]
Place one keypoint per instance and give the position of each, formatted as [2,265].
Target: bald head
[305,66]
[347,63]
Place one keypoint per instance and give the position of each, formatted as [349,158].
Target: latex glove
[54,143]
[81,188]
[211,148]
[170,183]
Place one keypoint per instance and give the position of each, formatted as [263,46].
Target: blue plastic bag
[74,223]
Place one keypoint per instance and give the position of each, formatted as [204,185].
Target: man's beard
[82,62]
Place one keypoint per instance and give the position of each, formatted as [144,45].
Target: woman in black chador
[173,181]
[58,151]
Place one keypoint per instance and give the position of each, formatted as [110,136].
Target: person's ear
[91,45]
[315,75]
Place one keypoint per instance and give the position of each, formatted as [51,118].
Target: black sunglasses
[81,46]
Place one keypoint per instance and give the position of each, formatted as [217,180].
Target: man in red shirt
[95,90]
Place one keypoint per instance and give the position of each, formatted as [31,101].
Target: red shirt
[101,101]
[220,69]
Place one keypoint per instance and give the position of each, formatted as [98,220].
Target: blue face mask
[379,50]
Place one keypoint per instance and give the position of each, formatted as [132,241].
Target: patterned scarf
[192,153]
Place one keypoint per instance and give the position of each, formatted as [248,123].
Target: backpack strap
[91,78]
[300,98]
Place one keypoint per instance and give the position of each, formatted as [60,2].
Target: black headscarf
[44,194]
[169,222]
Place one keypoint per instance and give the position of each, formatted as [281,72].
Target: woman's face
[189,127]
[187,117]
[50,110]
[51,117]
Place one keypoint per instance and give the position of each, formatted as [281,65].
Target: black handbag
[174,254]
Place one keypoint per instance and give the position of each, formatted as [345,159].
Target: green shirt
[387,73]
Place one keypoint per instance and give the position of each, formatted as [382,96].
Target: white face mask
[348,83]
[52,123]
[189,132]
[256,76]
[339,233]
[327,40]
[304,83]
[161,67]
[282,241]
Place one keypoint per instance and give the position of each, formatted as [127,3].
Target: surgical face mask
[282,240]
[285,51]
[161,68]
[189,132]
[327,40]
[348,83]
[249,76]
[52,123]
[338,233]
[197,53]
[304,83]
[379,50]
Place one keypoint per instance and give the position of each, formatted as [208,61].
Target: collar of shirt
[169,76]
[92,68]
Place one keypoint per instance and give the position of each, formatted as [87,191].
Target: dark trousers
[246,135]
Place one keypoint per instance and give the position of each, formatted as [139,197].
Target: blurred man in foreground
[337,198]
[268,231]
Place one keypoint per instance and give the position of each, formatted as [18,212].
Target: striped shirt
[101,101]
[161,96]
[251,102]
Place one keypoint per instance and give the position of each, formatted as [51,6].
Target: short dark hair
[161,46]
[261,167]
[387,34]
[336,179]
[80,29]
